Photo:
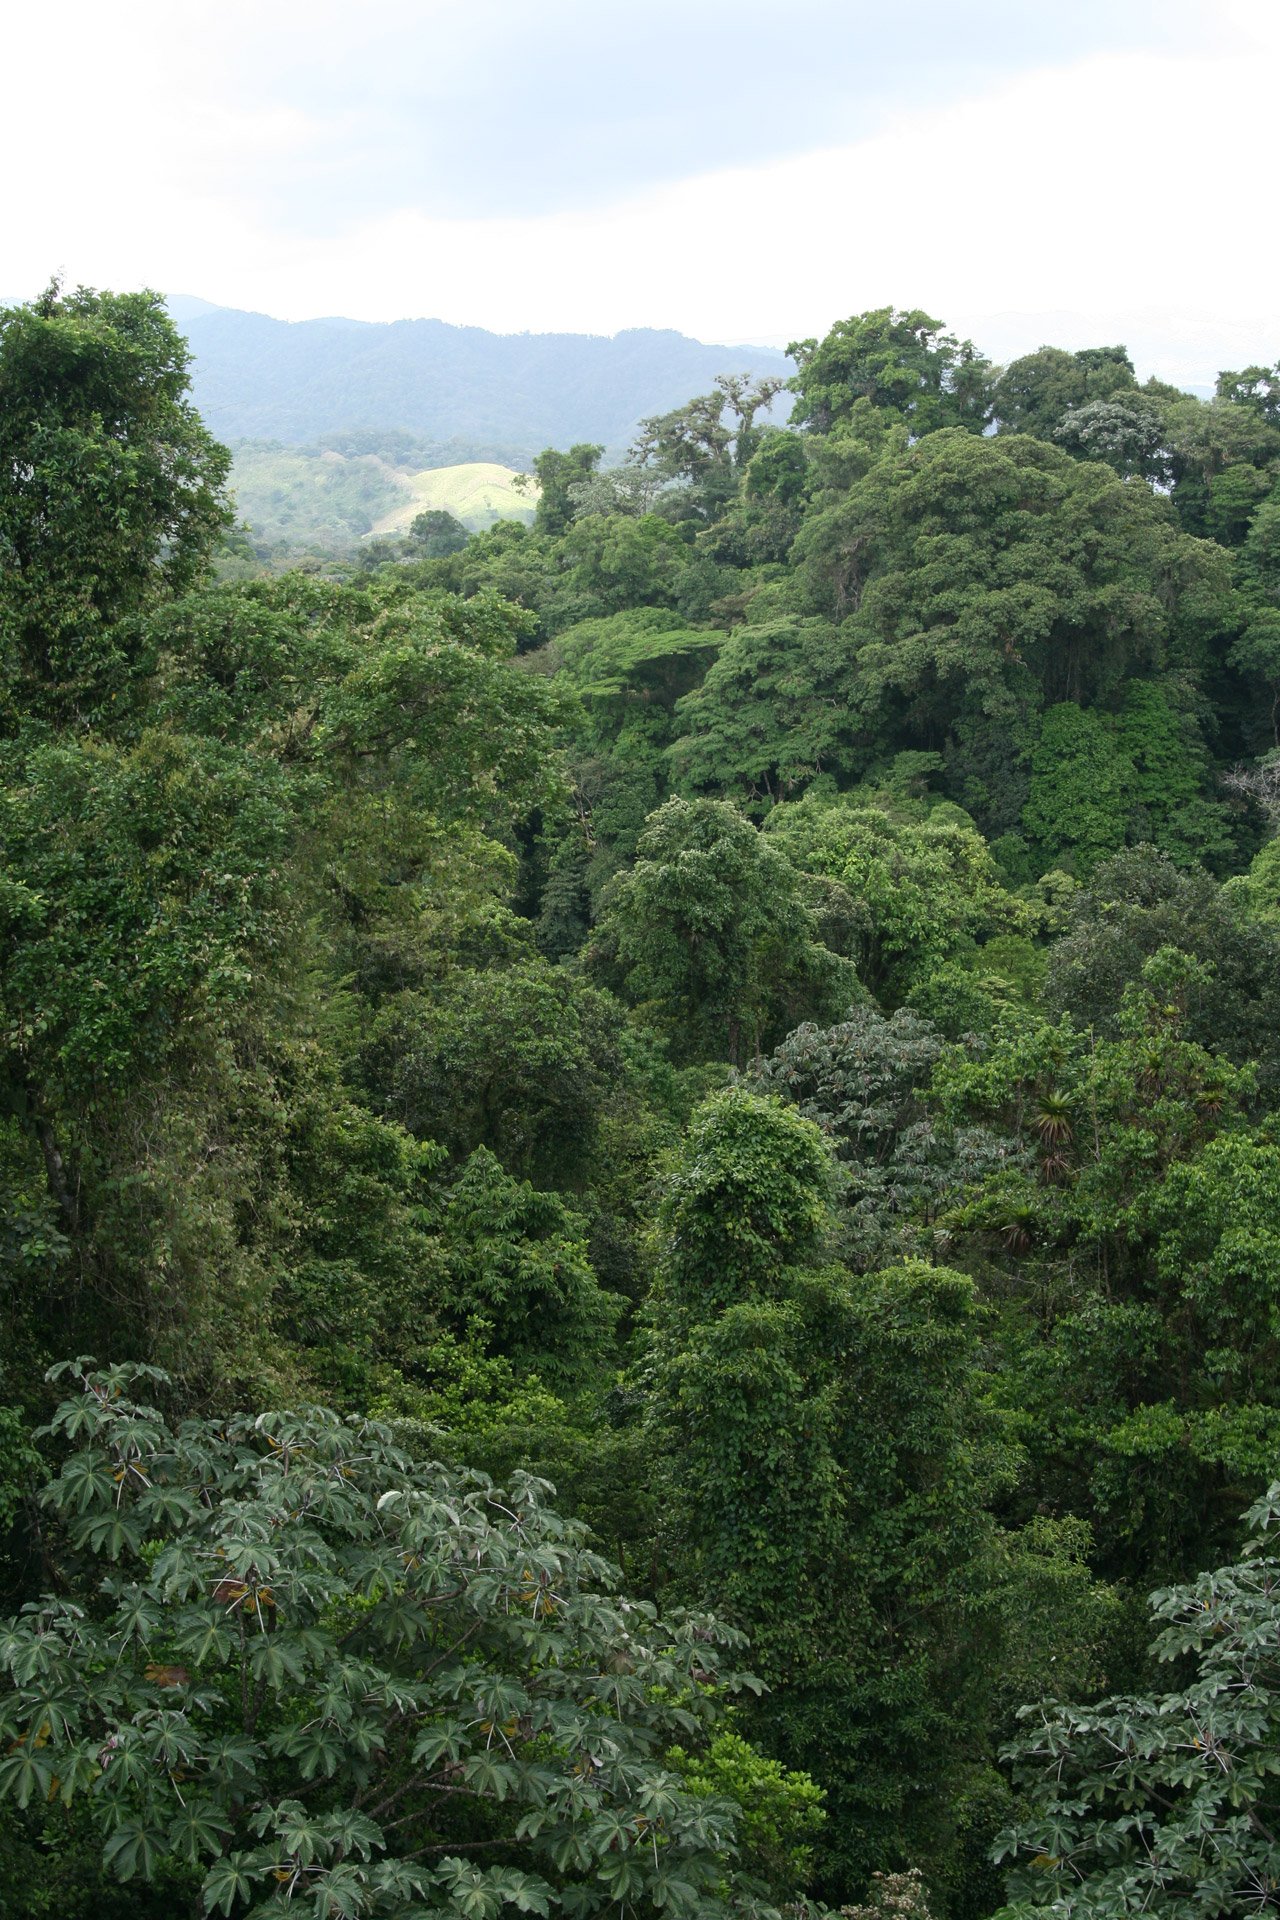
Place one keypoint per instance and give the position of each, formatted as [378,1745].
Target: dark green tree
[555,473]
[1223,459]
[112,492]
[302,787]
[1034,393]
[901,363]
[435,533]
[979,580]
[522,1059]
[1130,1238]
[516,1260]
[1138,903]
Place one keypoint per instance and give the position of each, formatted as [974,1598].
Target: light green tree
[1081,781]
[916,893]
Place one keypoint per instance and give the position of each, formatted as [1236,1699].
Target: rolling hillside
[479,492]
[303,496]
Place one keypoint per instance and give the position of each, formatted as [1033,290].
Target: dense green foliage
[753,999]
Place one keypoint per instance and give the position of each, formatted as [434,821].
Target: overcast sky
[1026,169]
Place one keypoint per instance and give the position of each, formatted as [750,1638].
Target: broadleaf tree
[1165,1804]
[313,1668]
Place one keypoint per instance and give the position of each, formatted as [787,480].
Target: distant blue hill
[299,381]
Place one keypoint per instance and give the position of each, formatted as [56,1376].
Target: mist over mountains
[297,381]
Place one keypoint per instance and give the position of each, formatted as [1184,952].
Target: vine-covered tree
[112,491]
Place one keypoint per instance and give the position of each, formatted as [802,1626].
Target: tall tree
[556,473]
[981,579]
[826,1471]
[112,492]
[708,443]
[1035,391]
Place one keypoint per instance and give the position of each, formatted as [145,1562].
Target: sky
[1075,170]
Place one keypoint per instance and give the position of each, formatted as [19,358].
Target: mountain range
[497,394]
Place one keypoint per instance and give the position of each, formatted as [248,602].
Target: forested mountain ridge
[754,999]
[257,378]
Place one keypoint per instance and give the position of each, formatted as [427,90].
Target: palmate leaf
[130,1764]
[200,1828]
[179,1571]
[364,1737]
[46,1713]
[276,1662]
[316,1749]
[25,1775]
[206,1636]
[444,1741]
[135,1849]
[524,1891]
[670,1890]
[170,1739]
[536,1821]
[398,1618]
[472,1892]
[399,1879]
[31,1656]
[627,1881]
[233,1757]
[87,1481]
[166,1507]
[110,1534]
[138,1616]
[353,1832]
[229,1881]
[339,1892]
[317,1646]
[76,1419]
[571,1850]
[491,1776]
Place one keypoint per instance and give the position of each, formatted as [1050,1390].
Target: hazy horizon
[1009,167]
[1189,349]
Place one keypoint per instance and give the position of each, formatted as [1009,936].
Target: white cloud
[1129,189]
